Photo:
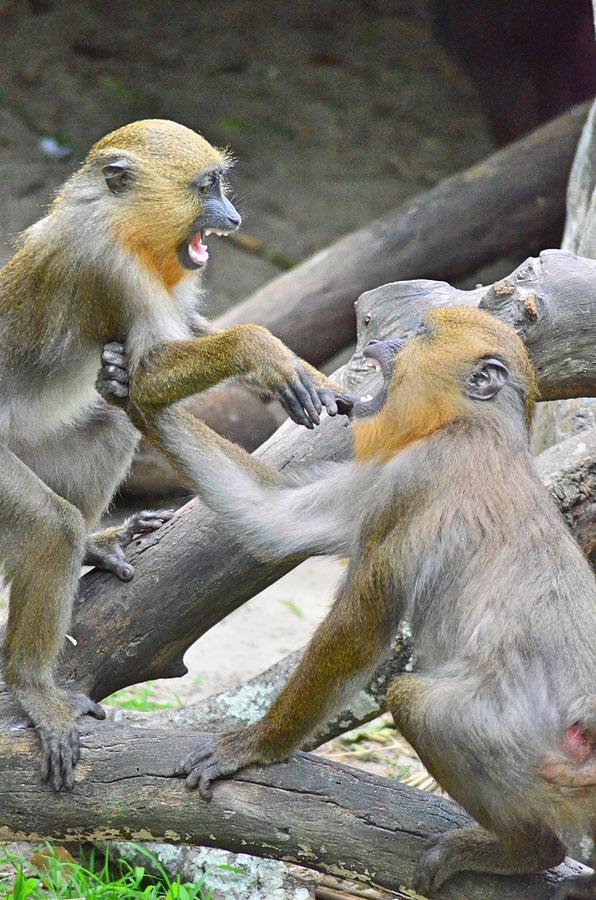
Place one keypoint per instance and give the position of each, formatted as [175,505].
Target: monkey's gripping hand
[105,549]
[217,755]
[113,379]
[266,364]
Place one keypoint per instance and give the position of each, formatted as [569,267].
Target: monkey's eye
[367,319]
[118,176]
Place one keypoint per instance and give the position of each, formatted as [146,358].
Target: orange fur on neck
[399,424]
[164,266]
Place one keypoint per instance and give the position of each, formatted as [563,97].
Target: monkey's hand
[302,390]
[113,379]
[217,755]
[105,549]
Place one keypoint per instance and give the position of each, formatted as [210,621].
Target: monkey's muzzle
[379,355]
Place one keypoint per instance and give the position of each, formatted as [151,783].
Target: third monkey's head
[460,362]
[161,189]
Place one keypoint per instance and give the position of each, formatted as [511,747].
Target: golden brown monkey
[448,527]
[116,258]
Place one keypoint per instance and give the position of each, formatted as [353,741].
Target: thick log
[309,810]
[514,201]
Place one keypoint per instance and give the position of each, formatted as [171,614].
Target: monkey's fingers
[293,408]
[111,389]
[307,396]
[113,373]
[144,522]
[200,752]
[59,755]
[114,354]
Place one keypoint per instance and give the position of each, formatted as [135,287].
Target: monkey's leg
[340,657]
[85,464]
[41,544]
[525,847]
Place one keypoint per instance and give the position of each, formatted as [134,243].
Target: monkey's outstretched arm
[273,516]
[248,353]
[338,660]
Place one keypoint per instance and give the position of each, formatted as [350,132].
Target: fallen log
[309,810]
[514,201]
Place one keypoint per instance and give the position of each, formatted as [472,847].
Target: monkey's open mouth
[380,355]
[194,254]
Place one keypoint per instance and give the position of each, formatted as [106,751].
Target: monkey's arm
[339,659]
[274,517]
[248,353]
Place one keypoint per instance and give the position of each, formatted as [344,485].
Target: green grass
[142,698]
[99,881]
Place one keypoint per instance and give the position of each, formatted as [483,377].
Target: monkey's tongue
[198,251]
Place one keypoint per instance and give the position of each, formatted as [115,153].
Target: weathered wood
[309,810]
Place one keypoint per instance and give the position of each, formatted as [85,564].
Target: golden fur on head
[157,214]
[426,390]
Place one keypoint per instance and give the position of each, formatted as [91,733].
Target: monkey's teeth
[366,398]
[216,231]
[373,364]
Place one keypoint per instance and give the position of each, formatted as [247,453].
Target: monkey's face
[466,355]
[164,186]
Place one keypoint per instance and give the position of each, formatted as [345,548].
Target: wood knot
[504,288]
[531,305]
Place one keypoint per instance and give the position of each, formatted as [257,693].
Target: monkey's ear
[118,176]
[486,379]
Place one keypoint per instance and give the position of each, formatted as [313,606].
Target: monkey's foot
[215,756]
[105,549]
[581,886]
[436,867]
[60,744]
[60,752]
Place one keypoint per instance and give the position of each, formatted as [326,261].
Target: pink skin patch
[579,743]
[197,250]
[580,770]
